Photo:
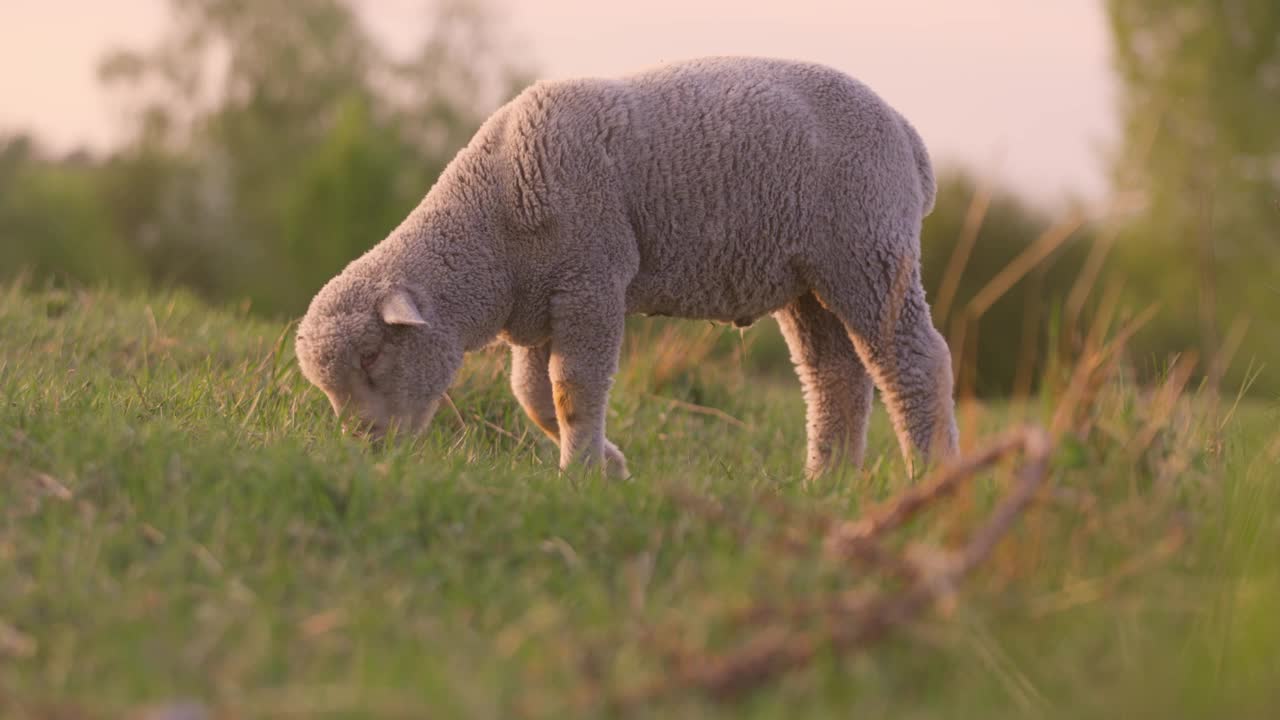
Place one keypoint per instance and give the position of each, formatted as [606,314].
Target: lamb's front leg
[531,384]
[586,339]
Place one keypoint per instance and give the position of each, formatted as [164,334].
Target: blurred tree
[274,140]
[1200,94]
[53,221]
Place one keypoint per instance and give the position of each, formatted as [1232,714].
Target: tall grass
[179,519]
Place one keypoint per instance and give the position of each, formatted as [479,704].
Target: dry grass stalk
[973,219]
[851,618]
[1092,371]
[700,410]
[1049,241]
[1090,590]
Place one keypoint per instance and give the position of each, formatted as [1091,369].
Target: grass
[179,519]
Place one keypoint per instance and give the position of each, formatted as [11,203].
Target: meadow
[180,520]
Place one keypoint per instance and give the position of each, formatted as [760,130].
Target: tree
[1200,94]
[273,140]
[53,221]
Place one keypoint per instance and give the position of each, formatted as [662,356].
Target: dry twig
[854,618]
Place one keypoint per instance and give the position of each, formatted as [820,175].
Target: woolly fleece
[723,189]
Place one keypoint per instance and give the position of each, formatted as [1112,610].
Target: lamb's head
[379,353]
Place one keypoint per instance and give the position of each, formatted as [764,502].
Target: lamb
[723,189]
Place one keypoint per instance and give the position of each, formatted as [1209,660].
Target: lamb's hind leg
[531,384]
[837,388]
[888,320]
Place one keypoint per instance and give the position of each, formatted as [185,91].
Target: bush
[54,222]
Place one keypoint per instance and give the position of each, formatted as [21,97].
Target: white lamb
[723,189]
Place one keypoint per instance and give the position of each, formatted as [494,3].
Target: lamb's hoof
[615,463]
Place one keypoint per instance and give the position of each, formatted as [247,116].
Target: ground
[181,520]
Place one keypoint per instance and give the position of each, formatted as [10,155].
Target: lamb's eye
[368,359]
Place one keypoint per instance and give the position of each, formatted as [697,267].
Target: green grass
[179,518]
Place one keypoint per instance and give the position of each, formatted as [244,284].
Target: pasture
[180,520]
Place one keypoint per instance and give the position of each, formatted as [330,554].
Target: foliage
[272,142]
[1200,91]
[54,220]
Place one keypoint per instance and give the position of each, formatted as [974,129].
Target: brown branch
[911,501]
[856,619]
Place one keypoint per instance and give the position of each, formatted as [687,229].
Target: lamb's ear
[398,308]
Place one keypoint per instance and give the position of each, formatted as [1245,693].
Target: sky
[1017,89]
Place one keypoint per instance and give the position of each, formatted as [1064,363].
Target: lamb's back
[716,168]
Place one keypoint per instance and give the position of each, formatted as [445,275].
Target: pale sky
[1017,88]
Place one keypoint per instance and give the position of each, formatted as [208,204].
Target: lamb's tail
[928,185]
